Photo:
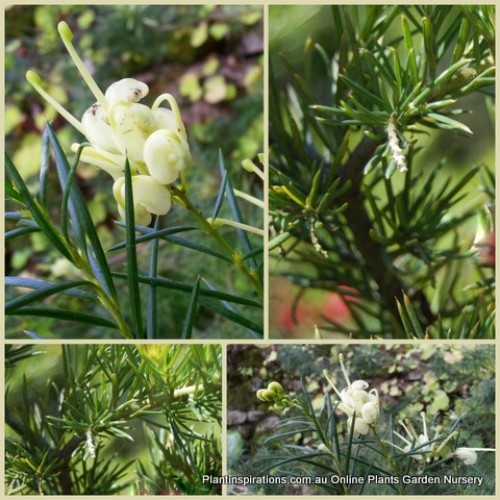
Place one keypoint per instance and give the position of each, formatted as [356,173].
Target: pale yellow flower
[119,127]
[356,401]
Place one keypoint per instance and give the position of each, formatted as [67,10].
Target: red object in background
[486,250]
[335,309]
[307,313]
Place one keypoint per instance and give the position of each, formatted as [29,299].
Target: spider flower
[356,401]
[422,447]
[117,126]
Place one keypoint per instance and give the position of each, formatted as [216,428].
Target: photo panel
[112,419]
[134,171]
[382,184]
[361,419]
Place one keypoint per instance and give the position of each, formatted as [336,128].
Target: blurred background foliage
[112,419]
[208,57]
[452,384]
[311,49]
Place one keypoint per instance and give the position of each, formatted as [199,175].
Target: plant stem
[374,255]
[390,458]
[108,302]
[212,231]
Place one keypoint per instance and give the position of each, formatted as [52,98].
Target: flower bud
[265,395]
[360,385]
[466,455]
[369,412]
[166,154]
[127,89]
[149,198]
[276,387]
[360,426]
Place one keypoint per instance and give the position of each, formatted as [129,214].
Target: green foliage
[453,385]
[71,268]
[361,205]
[113,419]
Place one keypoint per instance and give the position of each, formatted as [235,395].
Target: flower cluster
[119,127]
[274,394]
[424,449]
[420,443]
[356,401]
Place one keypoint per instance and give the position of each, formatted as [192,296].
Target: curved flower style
[424,449]
[356,401]
[419,441]
[119,127]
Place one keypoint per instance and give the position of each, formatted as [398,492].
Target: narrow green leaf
[362,91]
[411,64]
[11,193]
[412,315]
[447,74]
[462,40]
[444,122]
[44,168]
[430,47]
[190,316]
[83,216]
[220,196]
[256,251]
[132,268]
[38,284]
[311,197]
[19,231]
[312,414]
[407,326]
[233,316]
[37,212]
[167,235]
[397,67]
[151,309]
[65,206]
[184,287]
[149,234]
[235,209]
[198,247]
[64,315]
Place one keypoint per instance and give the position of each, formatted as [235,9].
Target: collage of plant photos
[249,250]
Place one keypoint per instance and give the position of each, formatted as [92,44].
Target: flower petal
[97,128]
[166,154]
[132,123]
[126,89]
[150,197]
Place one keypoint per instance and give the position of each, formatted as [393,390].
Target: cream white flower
[119,127]
[418,441]
[356,401]
[468,456]
[150,197]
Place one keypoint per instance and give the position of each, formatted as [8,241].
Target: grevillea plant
[362,457]
[112,419]
[401,429]
[145,149]
[368,200]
